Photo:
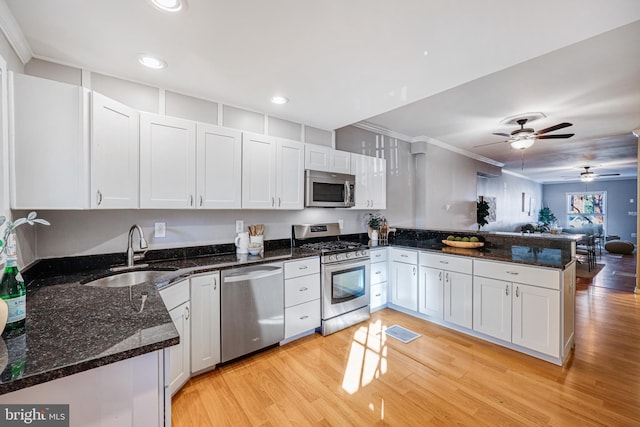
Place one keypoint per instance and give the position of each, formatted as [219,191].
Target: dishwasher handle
[260,274]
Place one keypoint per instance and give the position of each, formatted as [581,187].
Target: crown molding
[517,175]
[14,34]
[393,134]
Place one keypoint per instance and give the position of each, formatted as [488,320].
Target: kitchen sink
[129,278]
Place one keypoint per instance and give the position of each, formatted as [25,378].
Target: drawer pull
[302,267]
[378,295]
[378,272]
[444,262]
[378,255]
[513,273]
[404,255]
[304,317]
[304,289]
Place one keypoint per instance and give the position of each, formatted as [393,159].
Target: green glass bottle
[13,291]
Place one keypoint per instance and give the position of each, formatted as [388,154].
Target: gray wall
[621,200]
[508,189]
[400,210]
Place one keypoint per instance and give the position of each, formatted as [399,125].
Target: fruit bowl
[459,244]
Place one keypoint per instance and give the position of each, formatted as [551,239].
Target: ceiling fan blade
[506,135]
[491,143]
[608,174]
[557,136]
[552,128]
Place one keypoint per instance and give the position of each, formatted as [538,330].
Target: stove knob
[332,257]
[348,254]
[358,253]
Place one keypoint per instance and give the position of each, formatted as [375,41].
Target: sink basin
[129,278]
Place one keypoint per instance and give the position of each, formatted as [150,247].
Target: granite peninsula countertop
[71,327]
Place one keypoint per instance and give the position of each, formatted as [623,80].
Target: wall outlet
[160,229]
[341,224]
[239,226]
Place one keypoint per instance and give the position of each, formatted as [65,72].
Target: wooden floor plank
[360,377]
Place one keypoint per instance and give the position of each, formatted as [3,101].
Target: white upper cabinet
[371,181]
[167,162]
[114,154]
[322,158]
[219,167]
[272,173]
[49,144]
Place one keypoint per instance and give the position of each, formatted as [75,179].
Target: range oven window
[347,284]
[327,192]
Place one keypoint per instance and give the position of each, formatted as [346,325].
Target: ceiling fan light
[586,177]
[521,144]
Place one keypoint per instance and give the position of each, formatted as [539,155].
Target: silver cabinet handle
[99,197]
[304,289]
[191,200]
[404,255]
[378,272]
[378,255]
[440,276]
[279,202]
[304,317]
[201,201]
[187,313]
[513,273]
[378,295]
[414,271]
[444,262]
[446,277]
[517,292]
[273,201]
[215,284]
[302,267]
[506,290]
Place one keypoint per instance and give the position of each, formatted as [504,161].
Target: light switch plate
[160,229]
[239,226]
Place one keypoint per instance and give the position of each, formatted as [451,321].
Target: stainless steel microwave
[329,190]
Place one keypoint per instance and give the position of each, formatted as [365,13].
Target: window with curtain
[588,208]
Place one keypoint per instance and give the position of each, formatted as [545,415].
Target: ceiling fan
[588,176]
[525,137]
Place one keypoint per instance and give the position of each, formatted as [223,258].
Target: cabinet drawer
[378,272]
[378,255]
[301,318]
[302,267]
[536,276]
[402,255]
[301,289]
[378,295]
[445,262]
[175,294]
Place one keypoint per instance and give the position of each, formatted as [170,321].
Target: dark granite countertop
[71,327]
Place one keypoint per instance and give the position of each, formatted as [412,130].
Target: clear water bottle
[13,291]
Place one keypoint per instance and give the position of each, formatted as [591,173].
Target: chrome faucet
[131,256]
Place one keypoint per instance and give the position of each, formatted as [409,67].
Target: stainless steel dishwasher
[252,309]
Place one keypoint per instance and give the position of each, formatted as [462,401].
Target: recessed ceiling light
[168,5]
[279,99]
[152,62]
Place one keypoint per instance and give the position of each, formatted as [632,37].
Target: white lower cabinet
[301,296]
[524,314]
[431,292]
[176,298]
[458,298]
[205,322]
[403,278]
[378,288]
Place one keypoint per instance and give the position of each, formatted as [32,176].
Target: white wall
[508,189]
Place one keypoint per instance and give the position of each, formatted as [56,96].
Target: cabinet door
[114,154]
[205,322]
[290,174]
[458,298]
[219,167]
[378,181]
[316,157]
[431,292]
[340,161]
[167,162]
[258,171]
[404,285]
[492,307]
[536,318]
[48,144]
[179,354]
[360,168]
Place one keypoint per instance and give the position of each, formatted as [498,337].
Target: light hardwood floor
[359,377]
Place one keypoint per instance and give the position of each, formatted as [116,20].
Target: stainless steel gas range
[345,275]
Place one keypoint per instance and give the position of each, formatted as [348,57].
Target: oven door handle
[341,264]
[347,192]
